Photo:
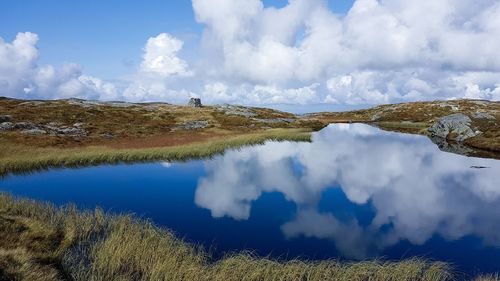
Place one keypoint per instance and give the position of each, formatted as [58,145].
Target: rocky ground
[73,122]
[468,127]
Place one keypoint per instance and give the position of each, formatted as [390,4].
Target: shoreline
[37,135]
[25,160]
[64,243]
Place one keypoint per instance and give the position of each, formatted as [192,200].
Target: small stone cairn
[195,102]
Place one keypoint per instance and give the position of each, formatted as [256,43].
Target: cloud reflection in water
[415,190]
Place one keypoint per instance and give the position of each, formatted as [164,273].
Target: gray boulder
[72,131]
[5,118]
[34,132]
[25,126]
[195,102]
[456,124]
[6,126]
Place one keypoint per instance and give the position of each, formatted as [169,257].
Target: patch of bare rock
[455,127]
[55,129]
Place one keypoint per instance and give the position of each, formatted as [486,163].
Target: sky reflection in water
[415,190]
[355,192]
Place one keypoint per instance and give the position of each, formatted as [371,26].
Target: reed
[41,242]
[489,277]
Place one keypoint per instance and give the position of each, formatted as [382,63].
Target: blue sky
[107,37]
[258,52]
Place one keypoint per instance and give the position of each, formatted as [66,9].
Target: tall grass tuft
[41,242]
[489,277]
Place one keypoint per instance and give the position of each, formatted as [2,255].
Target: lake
[355,192]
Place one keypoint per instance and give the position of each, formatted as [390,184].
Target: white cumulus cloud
[159,68]
[380,51]
[160,56]
[22,77]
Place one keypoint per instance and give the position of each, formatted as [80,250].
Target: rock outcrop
[53,129]
[483,115]
[34,132]
[25,126]
[455,127]
[192,125]
[5,118]
[236,110]
[6,126]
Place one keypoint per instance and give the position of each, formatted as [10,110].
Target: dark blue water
[354,193]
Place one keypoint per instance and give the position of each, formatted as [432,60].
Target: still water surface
[354,193]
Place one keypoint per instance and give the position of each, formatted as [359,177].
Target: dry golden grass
[132,133]
[95,246]
[105,123]
[143,132]
[18,264]
[491,277]
[19,158]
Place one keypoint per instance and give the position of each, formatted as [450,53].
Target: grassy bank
[41,242]
[42,134]
[71,133]
[16,158]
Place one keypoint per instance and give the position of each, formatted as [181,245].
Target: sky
[273,52]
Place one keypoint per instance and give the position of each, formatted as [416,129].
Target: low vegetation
[417,117]
[20,158]
[41,242]
[41,134]
[70,133]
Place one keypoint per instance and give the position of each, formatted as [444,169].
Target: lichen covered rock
[192,125]
[483,115]
[455,127]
